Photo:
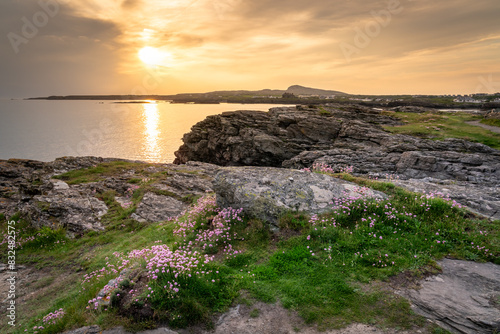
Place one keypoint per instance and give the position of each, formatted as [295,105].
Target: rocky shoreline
[343,136]
[253,160]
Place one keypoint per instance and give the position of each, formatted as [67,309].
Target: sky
[62,47]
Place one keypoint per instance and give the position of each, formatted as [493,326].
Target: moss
[440,125]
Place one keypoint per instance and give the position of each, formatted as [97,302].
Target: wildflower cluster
[107,270]
[382,233]
[210,225]
[202,230]
[52,317]
[324,168]
[129,193]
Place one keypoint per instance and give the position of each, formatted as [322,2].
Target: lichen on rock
[267,193]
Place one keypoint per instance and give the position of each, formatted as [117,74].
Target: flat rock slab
[155,208]
[479,198]
[463,299]
[78,212]
[266,193]
[271,319]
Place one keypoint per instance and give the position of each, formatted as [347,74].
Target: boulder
[68,208]
[478,198]
[267,193]
[255,138]
[85,330]
[155,208]
[336,135]
[464,298]
[27,186]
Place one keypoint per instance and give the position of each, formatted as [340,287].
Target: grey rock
[117,330]
[154,208]
[78,212]
[339,136]
[479,198]
[267,138]
[159,331]
[27,186]
[462,299]
[59,185]
[406,161]
[85,330]
[104,295]
[267,193]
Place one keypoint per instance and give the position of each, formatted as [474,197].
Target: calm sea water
[44,130]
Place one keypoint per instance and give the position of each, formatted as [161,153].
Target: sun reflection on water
[151,121]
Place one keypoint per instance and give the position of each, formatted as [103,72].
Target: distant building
[467,99]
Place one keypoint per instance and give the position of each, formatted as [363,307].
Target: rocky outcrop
[463,298]
[478,198]
[65,207]
[253,138]
[351,136]
[448,160]
[28,187]
[154,208]
[268,193]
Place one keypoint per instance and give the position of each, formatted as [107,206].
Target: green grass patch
[439,126]
[99,172]
[322,266]
[491,121]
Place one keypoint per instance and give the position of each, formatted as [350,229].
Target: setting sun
[152,56]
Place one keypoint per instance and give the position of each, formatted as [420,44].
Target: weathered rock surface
[154,208]
[27,186]
[464,298]
[478,198]
[339,137]
[267,193]
[447,160]
[86,330]
[271,319]
[254,138]
[75,210]
[342,136]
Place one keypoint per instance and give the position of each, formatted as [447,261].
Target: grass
[98,172]
[439,126]
[324,266]
[491,121]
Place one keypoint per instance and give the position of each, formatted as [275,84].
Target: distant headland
[303,95]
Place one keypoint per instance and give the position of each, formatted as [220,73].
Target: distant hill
[301,90]
[207,97]
[263,92]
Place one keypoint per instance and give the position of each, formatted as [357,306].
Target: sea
[149,131]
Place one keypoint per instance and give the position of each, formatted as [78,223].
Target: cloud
[68,53]
[130,4]
[259,43]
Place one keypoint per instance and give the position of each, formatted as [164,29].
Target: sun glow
[153,56]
